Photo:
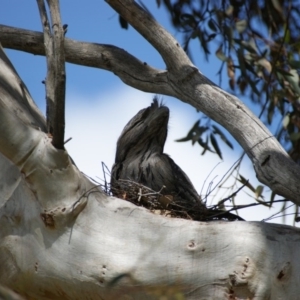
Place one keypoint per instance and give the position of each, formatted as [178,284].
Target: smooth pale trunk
[63,238]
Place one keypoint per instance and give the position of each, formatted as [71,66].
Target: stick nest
[162,204]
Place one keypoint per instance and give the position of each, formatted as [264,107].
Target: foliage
[257,43]
[196,135]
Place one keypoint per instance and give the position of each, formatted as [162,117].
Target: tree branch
[48,47]
[189,85]
[60,74]
[56,76]
[146,25]
[129,69]
[48,249]
[185,82]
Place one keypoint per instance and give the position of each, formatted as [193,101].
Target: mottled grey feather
[140,158]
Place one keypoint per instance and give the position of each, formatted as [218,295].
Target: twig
[230,196]
[104,174]
[67,140]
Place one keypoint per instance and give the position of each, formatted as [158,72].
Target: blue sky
[97,23]
[99,104]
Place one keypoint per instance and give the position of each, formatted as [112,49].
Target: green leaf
[270,112]
[287,36]
[184,139]
[295,64]
[229,35]
[250,46]
[250,68]
[295,136]
[221,205]
[215,145]
[220,54]
[194,34]
[242,61]
[246,182]
[203,42]
[265,63]
[262,202]
[190,133]
[211,37]
[253,86]
[229,10]
[212,25]
[238,41]
[198,133]
[188,19]
[283,72]
[280,78]
[286,121]
[123,23]
[264,53]
[194,134]
[205,145]
[293,79]
[272,197]
[277,5]
[222,136]
[241,25]
[258,191]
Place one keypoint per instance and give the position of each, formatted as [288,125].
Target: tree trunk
[62,237]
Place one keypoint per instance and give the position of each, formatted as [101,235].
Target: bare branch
[50,71]
[129,69]
[56,76]
[153,32]
[60,75]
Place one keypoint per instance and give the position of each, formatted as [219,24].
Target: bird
[140,158]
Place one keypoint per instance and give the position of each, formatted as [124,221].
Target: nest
[162,204]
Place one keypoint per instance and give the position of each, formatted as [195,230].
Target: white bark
[63,238]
